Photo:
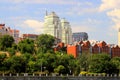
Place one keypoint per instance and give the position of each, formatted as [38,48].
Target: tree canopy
[26,46]
[6,41]
[44,42]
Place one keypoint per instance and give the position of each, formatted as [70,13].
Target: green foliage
[6,41]
[60,69]
[45,42]
[11,51]
[100,63]
[84,61]
[26,46]
[3,56]
[16,64]
[116,62]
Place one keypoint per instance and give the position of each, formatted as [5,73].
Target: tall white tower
[119,36]
[52,25]
[58,28]
[66,32]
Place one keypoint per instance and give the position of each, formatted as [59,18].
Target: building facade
[29,36]
[52,25]
[86,47]
[15,33]
[119,37]
[66,32]
[58,28]
[4,30]
[80,36]
[8,31]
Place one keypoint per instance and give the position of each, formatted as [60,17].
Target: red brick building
[86,47]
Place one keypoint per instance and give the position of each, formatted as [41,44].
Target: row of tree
[38,56]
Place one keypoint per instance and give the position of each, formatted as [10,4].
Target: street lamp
[70,71]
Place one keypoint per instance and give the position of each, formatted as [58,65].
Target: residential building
[58,28]
[119,37]
[66,32]
[15,33]
[99,47]
[8,31]
[29,36]
[4,30]
[52,25]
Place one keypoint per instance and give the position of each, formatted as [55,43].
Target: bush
[83,73]
[11,51]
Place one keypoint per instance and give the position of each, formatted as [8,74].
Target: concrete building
[58,28]
[8,31]
[66,32]
[80,36]
[4,30]
[52,25]
[119,37]
[15,33]
[29,36]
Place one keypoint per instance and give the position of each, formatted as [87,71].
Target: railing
[54,74]
[27,76]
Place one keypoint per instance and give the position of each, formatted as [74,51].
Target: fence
[26,76]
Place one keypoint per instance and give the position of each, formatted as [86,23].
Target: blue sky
[99,18]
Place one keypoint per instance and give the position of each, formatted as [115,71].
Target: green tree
[83,61]
[116,61]
[68,61]
[26,46]
[60,69]
[3,56]
[45,42]
[6,41]
[41,63]
[100,63]
[50,59]
[16,64]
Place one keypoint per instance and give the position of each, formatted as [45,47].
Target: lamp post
[70,71]
[44,68]
[41,66]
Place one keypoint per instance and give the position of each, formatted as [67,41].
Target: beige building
[119,37]
[4,30]
[8,31]
[66,32]
[52,25]
[58,28]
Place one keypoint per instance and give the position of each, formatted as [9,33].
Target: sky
[99,18]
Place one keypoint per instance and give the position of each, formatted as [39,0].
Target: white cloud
[112,8]
[115,16]
[109,4]
[37,26]
[114,13]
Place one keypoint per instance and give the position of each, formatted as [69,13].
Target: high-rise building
[119,37]
[80,36]
[58,28]
[66,32]
[52,25]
